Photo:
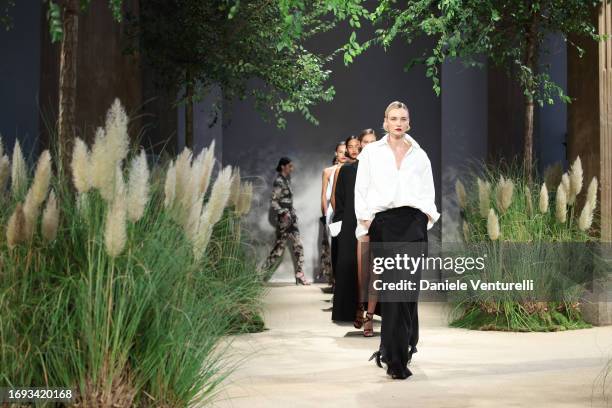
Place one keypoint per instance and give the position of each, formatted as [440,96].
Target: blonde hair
[395,105]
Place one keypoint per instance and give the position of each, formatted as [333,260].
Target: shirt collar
[407,137]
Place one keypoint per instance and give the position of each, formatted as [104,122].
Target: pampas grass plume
[4,172]
[505,190]
[50,218]
[493,225]
[19,171]
[565,180]
[235,188]
[15,231]
[116,130]
[37,193]
[246,197]
[138,187]
[102,167]
[80,165]
[461,195]
[193,218]
[115,235]
[561,203]
[543,199]
[213,211]
[219,195]
[119,187]
[592,194]
[208,163]
[484,197]
[575,177]
[586,217]
[42,178]
[30,213]
[183,176]
[466,231]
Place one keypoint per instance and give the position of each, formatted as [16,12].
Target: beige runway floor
[305,360]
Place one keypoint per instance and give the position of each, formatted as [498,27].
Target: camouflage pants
[287,231]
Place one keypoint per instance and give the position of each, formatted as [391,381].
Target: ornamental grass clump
[515,216]
[107,292]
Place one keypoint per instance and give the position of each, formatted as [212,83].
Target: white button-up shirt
[381,186]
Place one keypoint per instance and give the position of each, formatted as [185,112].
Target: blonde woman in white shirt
[395,202]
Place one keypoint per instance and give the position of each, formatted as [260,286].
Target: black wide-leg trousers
[400,318]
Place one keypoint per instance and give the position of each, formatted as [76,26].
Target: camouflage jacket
[282,197]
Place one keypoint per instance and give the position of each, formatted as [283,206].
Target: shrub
[521,228]
[124,285]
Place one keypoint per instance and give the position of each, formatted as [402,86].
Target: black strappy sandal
[358,322]
[369,320]
[378,358]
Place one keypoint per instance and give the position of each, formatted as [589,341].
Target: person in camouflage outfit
[286,227]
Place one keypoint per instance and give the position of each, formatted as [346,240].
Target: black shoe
[399,374]
[378,358]
[327,289]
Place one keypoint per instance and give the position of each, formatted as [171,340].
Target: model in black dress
[345,272]
[345,266]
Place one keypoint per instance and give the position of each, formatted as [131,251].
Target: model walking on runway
[286,226]
[395,202]
[345,270]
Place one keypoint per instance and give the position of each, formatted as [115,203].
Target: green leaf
[54,17]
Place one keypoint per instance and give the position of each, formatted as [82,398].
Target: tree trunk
[189,113]
[528,139]
[531,57]
[66,129]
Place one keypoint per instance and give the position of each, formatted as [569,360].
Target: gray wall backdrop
[20,77]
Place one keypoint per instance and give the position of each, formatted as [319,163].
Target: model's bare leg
[364,283]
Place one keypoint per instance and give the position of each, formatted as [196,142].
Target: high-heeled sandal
[368,321]
[377,356]
[358,322]
[300,279]
[393,372]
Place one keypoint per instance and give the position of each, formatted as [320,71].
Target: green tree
[511,33]
[63,17]
[243,48]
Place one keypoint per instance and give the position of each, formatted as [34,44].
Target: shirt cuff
[361,230]
[365,216]
[435,216]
